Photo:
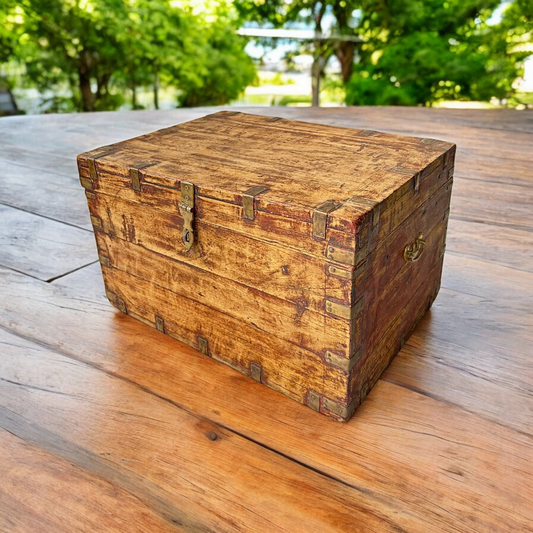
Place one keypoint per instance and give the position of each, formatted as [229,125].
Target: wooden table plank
[48,162]
[508,247]
[447,457]
[25,188]
[442,444]
[41,247]
[204,476]
[41,492]
[504,207]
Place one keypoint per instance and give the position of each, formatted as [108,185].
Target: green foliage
[431,50]
[414,52]
[293,99]
[223,53]
[8,29]
[93,53]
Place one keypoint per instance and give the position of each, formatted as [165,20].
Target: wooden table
[107,425]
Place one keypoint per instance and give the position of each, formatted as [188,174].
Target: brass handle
[413,251]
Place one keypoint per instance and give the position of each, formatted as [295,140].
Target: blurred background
[96,55]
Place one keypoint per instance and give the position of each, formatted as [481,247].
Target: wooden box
[298,254]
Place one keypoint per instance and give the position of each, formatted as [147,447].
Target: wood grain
[284,273]
[237,295]
[43,492]
[442,443]
[188,456]
[40,247]
[25,187]
[463,457]
[303,164]
[248,305]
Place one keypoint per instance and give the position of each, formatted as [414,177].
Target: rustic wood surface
[107,425]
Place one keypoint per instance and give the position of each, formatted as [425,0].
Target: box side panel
[282,366]
[383,352]
[388,278]
[401,276]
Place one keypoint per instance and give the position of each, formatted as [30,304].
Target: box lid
[323,175]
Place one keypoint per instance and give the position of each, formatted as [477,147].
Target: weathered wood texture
[40,247]
[309,300]
[110,421]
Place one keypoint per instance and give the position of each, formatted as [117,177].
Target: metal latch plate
[186,209]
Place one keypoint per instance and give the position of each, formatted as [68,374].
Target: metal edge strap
[248,198]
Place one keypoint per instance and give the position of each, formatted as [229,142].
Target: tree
[74,44]
[423,51]
[224,69]
[8,27]
[413,52]
[279,13]
[100,50]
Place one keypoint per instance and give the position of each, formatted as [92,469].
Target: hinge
[450,172]
[343,412]
[202,345]
[320,217]
[339,272]
[87,184]
[91,160]
[104,260]
[361,254]
[417,184]
[97,222]
[345,311]
[186,209]
[313,401]
[248,200]
[134,174]
[320,403]
[116,301]
[352,274]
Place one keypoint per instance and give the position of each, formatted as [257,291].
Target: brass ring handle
[413,251]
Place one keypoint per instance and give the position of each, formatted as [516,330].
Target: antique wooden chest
[298,254]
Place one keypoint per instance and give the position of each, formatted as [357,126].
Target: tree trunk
[84,82]
[133,96]
[156,91]
[319,63]
[345,52]
[87,100]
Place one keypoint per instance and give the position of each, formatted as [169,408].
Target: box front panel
[266,358]
[312,331]
[283,272]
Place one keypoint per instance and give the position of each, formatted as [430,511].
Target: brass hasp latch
[187,212]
